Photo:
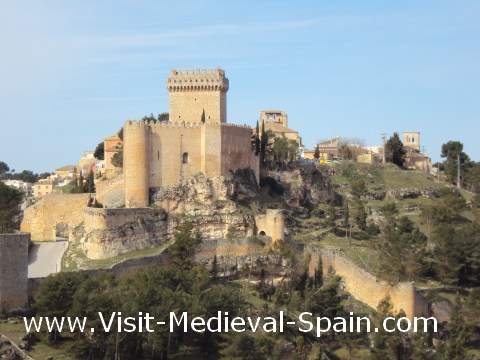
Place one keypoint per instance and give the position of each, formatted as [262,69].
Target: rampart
[54,214]
[367,288]
[163,154]
[13,271]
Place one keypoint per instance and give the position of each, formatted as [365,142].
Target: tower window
[185,158]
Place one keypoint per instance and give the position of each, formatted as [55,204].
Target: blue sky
[73,71]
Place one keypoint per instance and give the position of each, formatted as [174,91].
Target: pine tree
[316,154]
[395,150]
[257,140]
[318,275]
[263,144]
[89,186]
[457,338]
[346,217]
[214,270]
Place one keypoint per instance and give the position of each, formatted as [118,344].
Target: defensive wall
[367,288]
[163,154]
[13,271]
[230,253]
[110,192]
[42,219]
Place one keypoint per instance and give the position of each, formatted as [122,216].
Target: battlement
[197,80]
[176,125]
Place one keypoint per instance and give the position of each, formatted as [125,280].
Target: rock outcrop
[310,186]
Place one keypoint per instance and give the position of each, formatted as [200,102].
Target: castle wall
[42,218]
[13,271]
[168,143]
[236,150]
[176,150]
[365,287]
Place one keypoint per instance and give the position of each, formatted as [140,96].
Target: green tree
[215,268]
[3,169]
[120,133]
[10,212]
[318,274]
[164,117]
[183,248]
[456,255]
[451,151]
[387,345]
[89,186]
[257,140]
[402,253]
[100,151]
[316,153]
[358,188]
[55,296]
[263,144]
[457,333]
[346,218]
[359,214]
[394,150]
[117,159]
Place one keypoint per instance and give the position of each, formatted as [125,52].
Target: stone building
[411,140]
[66,172]
[43,187]
[196,139]
[277,122]
[112,145]
[329,149]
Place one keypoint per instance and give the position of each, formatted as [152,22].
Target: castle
[196,139]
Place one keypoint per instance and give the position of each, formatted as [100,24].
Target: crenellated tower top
[197,80]
[198,95]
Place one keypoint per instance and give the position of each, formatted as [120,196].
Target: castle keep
[196,139]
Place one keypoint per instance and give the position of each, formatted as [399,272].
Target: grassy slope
[15,330]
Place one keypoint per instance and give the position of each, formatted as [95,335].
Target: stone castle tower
[164,153]
[194,91]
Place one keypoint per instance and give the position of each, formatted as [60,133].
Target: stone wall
[271,224]
[367,288]
[163,154]
[42,218]
[13,271]
[194,91]
[110,192]
[112,232]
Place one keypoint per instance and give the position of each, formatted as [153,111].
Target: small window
[185,158]
[413,139]
[158,154]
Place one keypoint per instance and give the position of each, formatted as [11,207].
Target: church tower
[194,92]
